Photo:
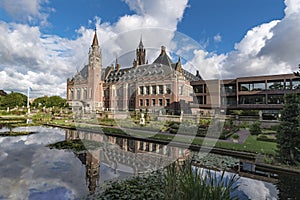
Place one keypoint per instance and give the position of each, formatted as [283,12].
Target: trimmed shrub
[265,138]
[255,128]
[235,136]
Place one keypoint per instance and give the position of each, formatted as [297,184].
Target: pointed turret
[141,45]
[141,53]
[117,65]
[95,40]
[178,66]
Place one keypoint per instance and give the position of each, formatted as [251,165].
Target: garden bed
[13,133]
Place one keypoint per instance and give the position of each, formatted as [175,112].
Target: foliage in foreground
[288,133]
[173,182]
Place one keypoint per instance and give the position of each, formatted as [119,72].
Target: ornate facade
[161,85]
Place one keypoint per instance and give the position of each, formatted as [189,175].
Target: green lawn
[250,145]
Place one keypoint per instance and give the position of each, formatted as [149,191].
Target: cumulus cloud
[32,11]
[44,62]
[30,58]
[269,48]
[292,7]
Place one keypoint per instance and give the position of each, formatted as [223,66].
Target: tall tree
[40,101]
[297,73]
[56,101]
[13,100]
[288,134]
[48,102]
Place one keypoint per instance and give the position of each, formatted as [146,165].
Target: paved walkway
[243,133]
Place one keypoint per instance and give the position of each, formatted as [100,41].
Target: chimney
[163,50]
[197,74]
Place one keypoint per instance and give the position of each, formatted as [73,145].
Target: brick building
[162,85]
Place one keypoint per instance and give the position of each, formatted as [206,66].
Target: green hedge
[266,138]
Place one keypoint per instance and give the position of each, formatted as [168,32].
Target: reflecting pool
[29,169]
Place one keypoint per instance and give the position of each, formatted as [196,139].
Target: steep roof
[163,58]
[162,66]
[3,93]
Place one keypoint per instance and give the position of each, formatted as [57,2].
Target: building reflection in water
[121,154]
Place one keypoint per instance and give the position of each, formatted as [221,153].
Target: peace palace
[164,86]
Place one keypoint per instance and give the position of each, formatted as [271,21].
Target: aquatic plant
[173,182]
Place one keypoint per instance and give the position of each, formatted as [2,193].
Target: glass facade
[253,99]
[259,86]
[228,89]
[275,85]
[296,83]
[275,99]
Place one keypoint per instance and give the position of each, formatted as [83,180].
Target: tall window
[161,89]
[160,102]
[91,92]
[141,90]
[78,93]
[153,102]
[154,89]
[180,89]
[72,94]
[147,102]
[168,88]
[84,93]
[147,90]
[167,102]
[141,102]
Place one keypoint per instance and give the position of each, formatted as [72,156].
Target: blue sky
[44,42]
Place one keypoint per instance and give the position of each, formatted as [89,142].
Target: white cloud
[30,58]
[218,38]
[270,48]
[292,7]
[208,64]
[255,39]
[44,62]
[32,11]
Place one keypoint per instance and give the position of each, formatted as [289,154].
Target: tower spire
[141,45]
[95,40]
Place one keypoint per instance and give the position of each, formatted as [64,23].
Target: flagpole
[28,108]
